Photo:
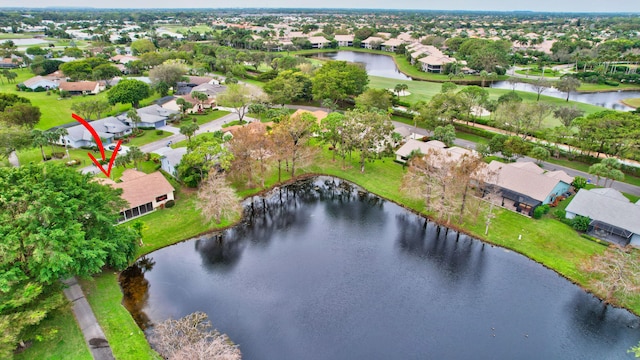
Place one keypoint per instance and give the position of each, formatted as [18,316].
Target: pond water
[29,41]
[608,99]
[323,270]
[375,64]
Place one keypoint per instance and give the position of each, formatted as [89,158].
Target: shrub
[579,182]
[538,212]
[581,223]
[559,214]
[159,132]
[169,204]
[64,94]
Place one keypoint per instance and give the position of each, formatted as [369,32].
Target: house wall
[157,204]
[571,215]
[635,240]
[168,167]
[560,189]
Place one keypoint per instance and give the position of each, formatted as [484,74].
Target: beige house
[80,87]
[143,192]
[372,42]
[392,45]
[344,40]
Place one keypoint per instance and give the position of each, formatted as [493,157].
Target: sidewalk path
[93,334]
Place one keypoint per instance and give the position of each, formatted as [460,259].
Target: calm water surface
[330,272]
[376,64]
[609,99]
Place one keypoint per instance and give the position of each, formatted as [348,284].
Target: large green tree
[129,91]
[289,86]
[339,80]
[55,223]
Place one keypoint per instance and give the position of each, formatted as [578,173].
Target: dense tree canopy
[129,91]
[338,80]
[55,223]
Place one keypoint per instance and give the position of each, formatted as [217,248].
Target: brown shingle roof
[78,86]
[144,189]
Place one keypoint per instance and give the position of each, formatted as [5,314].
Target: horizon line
[319,8]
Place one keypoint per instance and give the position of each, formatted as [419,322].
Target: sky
[491,5]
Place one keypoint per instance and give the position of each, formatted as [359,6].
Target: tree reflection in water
[135,289]
[459,256]
[279,210]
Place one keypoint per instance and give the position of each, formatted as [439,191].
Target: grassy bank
[126,339]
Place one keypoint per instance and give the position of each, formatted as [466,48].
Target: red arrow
[99,144]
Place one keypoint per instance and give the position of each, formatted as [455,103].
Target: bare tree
[615,272]
[192,337]
[252,150]
[540,86]
[294,132]
[216,199]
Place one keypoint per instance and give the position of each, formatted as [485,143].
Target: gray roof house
[152,116]
[40,81]
[107,128]
[170,158]
[613,217]
[402,154]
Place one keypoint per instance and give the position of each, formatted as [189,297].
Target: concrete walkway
[93,334]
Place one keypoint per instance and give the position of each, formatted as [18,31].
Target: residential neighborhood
[299,183]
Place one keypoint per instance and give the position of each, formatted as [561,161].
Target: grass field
[66,343]
[633,102]
[148,136]
[55,110]
[424,90]
[200,28]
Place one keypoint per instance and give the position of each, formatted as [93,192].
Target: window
[161,198]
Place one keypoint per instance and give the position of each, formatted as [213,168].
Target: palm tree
[135,154]
[52,136]
[40,139]
[133,116]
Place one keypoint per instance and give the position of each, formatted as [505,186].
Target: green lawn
[34,155]
[55,110]
[148,136]
[125,337]
[208,117]
[586,87]
[66,343]
[633,102]
[534,71]
[424,90]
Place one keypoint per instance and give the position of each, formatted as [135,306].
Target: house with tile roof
[344,40]
[522,186]
[613,217]
[143,193]
[372,42]
[80,87]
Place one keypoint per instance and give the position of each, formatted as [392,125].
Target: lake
[323,270]
[608,99]
[375,64]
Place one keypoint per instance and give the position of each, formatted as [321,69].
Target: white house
[40,82]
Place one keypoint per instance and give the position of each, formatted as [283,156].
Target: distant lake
[608,99]
[375,64]
[28,42]
[323,270]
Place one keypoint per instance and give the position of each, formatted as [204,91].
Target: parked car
[123,149]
